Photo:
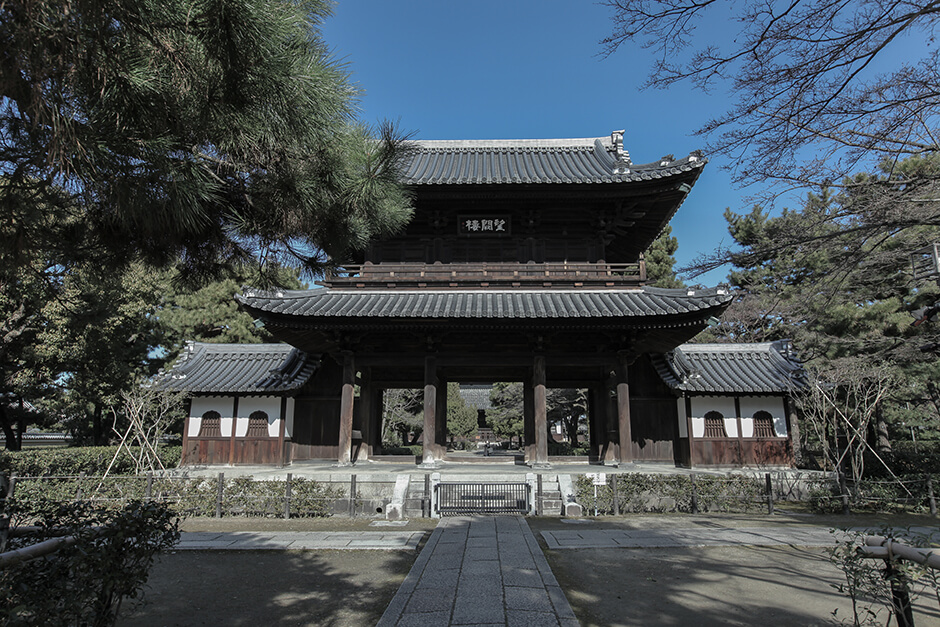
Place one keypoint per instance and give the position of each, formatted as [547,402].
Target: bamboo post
[78,490]
[932,498]
[218,498]
[148,493]
[352,496]
[844,491]
[616,497]
[426,499]
[287,497]
[694,494]
[770,493]
[538,495]
[900,597]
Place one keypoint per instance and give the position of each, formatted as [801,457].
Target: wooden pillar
[737,417]
[429,454]
[440,415]
[281,430]
[688,428]
[231,442]
[540,411]
[365,409]
[188,410]
[528,420]
[346,403]
[611,449]
[624,427]
[594,424]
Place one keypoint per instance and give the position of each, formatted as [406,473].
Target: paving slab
[689,537]
[499,577]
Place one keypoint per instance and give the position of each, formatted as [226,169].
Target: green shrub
[67,462]
[638,492]
[196,496]
[86,582]
[414,449]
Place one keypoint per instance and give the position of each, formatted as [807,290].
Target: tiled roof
[477,304]
[239,369]
[769,367]
[588,160]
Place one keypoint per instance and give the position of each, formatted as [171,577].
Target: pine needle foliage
[208,130]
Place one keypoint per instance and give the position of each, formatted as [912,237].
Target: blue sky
[528,69]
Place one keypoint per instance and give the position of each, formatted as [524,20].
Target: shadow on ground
[779,586]
[233,588]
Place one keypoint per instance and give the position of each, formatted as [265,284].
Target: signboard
[597,478]
[486,226]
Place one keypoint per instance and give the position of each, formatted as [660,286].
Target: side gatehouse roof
[768,367]
[253,369]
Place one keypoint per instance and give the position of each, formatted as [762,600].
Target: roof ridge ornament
[623,157]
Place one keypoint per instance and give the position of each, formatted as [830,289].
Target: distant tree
[210,131]
[97,342]
[845,300]
[209,313]
[568,408]
[461,417]
[820,91]
[660,262]
[808,104]
[402,416]
[505,416]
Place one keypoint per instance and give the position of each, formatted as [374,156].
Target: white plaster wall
[747,426]
[202,404]
[773,405]
[680,411]
[731,426]
[701,405]
[247,405]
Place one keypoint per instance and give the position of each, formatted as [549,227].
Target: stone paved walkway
[287,540]
[478,571]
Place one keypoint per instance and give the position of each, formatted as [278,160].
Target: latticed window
[714,425]
[764,425]
[258,425]
[211,425]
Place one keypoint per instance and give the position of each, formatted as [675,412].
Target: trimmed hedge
[637,492]
[196,496]
[67,462]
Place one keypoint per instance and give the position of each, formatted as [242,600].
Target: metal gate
[459,499]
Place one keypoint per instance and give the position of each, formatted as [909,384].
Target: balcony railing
[487,275]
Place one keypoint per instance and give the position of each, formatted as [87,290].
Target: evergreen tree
[461,418]
[505,416]
[660,262]
[209,131]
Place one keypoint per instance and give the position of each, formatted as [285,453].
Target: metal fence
[467,498]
